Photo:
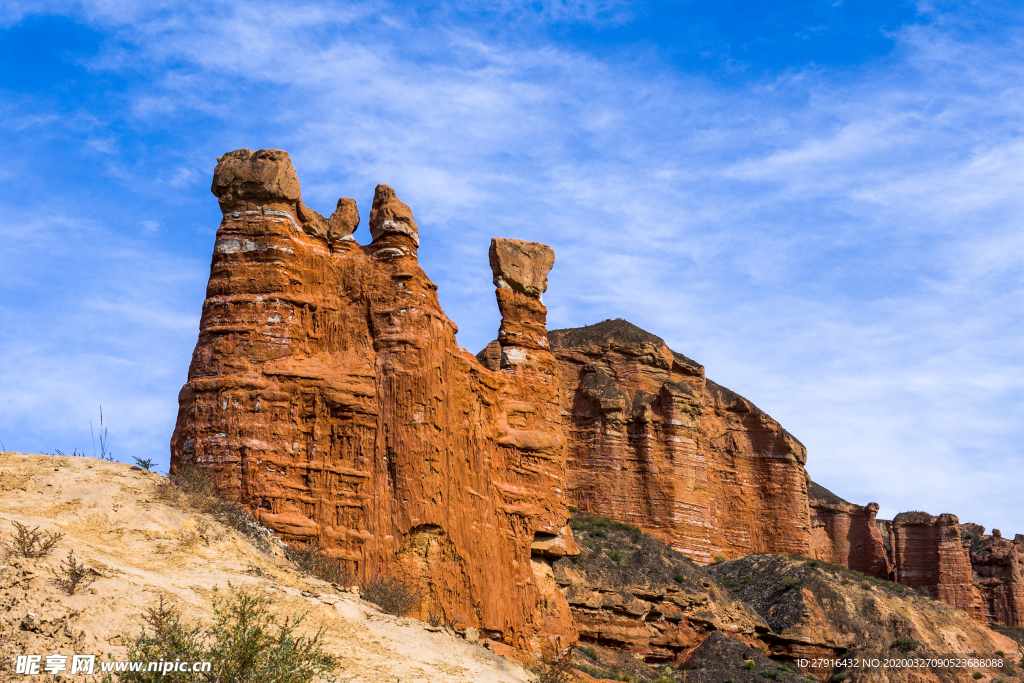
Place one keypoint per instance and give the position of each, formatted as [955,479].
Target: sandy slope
[144,548]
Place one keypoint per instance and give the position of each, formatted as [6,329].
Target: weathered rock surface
[847,534]
[818,612]
[996,563]
[654,443]
[631,592]
[327,393]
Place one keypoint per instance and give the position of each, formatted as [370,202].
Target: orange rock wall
[328,394]
[653,443]
[927,552]
[848,535]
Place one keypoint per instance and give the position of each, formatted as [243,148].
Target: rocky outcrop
[654,443]
[927,553]
[327,393]
[846,534]
[996,563]
[816,612]
[630,592]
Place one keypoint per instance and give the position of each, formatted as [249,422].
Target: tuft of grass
[596,525]
[31,543]
[775,675]
[72,575]
[905,644]
[246,644]
[392,595]
[679,578]
[614,555]
[749,665]
[838,678]
[719,559]
[311,559]
[588,651]
[976,675]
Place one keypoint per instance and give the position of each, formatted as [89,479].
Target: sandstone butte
[327,393]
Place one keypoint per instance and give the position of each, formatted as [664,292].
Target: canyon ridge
[327,394]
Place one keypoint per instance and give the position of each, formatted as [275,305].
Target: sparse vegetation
[719,559]
[596,524]
[905,644]
[104,453]
[31,543]
[72,575]
[614,555]
[312,560]
[788,582]
[839,677]
[246,644]
[976,675]
[679,578]
[146,464]
[392,595]
[775,675]
[588,651]
[749,665]
[1000,653]
[192,487]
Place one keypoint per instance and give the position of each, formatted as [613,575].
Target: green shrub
[749,665]
[246,644]
[1000,653]
[774,675]
[588,651]
[679,578]
[812,563]
[788,582]
[905,644]
[976,675]
[614,555]
[838,678]
[392,595]
[719,559]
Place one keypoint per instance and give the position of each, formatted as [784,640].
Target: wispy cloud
[842,247]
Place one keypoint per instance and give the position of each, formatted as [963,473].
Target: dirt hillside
[144,548]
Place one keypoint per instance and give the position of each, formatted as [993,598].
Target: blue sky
[822,202]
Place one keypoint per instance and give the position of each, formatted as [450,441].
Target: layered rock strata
[653,442]
[997,566]
[847,534]
[327,393]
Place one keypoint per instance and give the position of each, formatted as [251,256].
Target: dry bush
[31,543]
[312,560]
[71,576]
[392,594]
[192,487]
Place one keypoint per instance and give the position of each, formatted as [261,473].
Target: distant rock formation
[328,394]
[654,443]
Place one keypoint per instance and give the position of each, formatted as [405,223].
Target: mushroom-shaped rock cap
[521,266]
[344,221]
[263,175]
[389,215]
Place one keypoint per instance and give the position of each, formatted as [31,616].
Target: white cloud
[842,248]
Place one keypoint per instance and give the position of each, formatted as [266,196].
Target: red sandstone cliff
[328,394]
[653,443]
[846,534]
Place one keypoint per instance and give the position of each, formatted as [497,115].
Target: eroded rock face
[654,443]
[327,393]
[996,562]
[847,534]
[927,552]
[817,612]
[631,592]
